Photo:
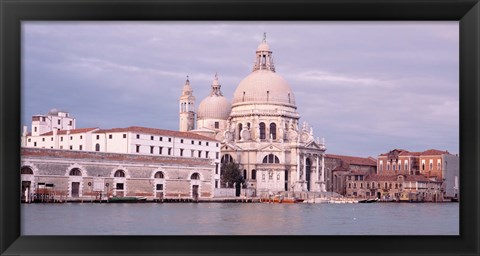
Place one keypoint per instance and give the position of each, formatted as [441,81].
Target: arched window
[271,159]
[159,175]
[75,172]
[97,147]
[254,174]
[240,126]
[273,130]
[119,173]
[262,130]
[26,170]
[195,176]
[226,159]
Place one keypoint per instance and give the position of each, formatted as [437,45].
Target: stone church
[259,129]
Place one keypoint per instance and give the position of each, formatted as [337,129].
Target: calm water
[240,219]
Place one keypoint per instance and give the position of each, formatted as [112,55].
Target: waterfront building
[90,145]
[394,187]
[434,164]
[260,131]
[53,174]
[337,168]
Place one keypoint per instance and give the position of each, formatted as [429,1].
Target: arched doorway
[195,180]
[27,183]
[308,168]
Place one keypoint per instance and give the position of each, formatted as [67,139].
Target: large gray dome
[264,86]
[214,107]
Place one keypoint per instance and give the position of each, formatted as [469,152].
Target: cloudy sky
[366,87]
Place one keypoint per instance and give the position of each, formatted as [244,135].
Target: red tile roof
[429,152]
[73,131]
[114,157]
[433,152]
[355,160]
[155,131]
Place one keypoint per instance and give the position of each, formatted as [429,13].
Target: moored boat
[127,199]
[282,200]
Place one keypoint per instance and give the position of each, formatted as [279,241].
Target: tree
[230,173]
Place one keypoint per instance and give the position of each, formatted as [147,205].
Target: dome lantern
[263,57]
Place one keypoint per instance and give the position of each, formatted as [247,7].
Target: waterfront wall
[89,175]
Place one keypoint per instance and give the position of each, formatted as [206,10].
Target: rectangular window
[81,137]
[30,140]
[217,125]
[50,139]
[169,151]
[199,143]
[216,168]
[35,129]
[98,137]
[159,187]
[151,149]
[199,153]
[181,152]
[59,121]
[71,137]
[217,145]
[181,141]
[206,154]
[35,144]
[160,150]
[119,186]
[61,138]
[43,139]
[161,138]
[137,149]
[138,136]
[70,123]
[193,142]
[207,143]
[110,136]
[216,155]
[216,183]
[80,147]
[151,137]
[71,147]
[192,153]
[169,139]
[124,136]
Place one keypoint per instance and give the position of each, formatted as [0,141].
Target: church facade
[260,130]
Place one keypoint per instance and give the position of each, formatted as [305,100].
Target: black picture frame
[13,12]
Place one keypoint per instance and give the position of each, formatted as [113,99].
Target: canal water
[240,219]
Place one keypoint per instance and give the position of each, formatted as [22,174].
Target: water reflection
[240,219]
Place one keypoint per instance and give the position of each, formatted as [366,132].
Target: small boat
[281,200]
[367,201]
[127,199]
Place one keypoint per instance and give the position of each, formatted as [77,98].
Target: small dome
[214,107]
[264,86]
[263,47]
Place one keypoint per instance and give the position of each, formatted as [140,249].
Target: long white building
[130,140]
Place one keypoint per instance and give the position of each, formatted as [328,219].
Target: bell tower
[187,108]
